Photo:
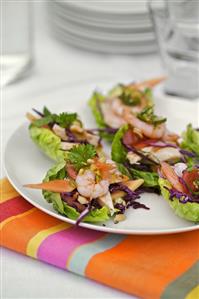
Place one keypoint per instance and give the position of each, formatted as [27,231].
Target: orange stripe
[148,264]
[17,232]
[6,190]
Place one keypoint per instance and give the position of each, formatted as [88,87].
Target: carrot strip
[148,83]
[172,177]
[54,186]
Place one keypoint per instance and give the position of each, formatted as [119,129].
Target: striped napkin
[146,266]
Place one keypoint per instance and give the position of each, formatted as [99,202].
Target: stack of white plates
[116,26]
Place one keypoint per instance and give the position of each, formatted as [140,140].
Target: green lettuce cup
[55,134]
[188,210]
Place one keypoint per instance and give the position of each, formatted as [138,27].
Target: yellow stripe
[35,242]
[193,294]
[7,191]
[6,221]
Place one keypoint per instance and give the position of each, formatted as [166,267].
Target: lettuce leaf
[48,142]
[58,172]
[150,178]
[191,139]
[188,211]
[94,103]
[118,151]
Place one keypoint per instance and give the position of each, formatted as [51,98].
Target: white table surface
[56,67]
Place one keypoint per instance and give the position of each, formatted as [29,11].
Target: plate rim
[84,224]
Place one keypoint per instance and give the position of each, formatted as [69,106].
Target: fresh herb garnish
[64,119]
[130,97]
[78,156]
[46,112]
[147,115]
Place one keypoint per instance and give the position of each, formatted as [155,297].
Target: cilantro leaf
[130,97]
[43,121]
[147,115]
[79,155]
[65,119]
[46,112]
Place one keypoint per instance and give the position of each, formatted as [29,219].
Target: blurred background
[52,42]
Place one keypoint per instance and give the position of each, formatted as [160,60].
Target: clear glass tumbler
[16,40]
[176,23]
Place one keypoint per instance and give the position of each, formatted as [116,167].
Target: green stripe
[180,287]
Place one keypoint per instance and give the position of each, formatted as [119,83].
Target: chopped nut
[76,128]
[117,194]
[81,171]
[90,161]
[82,200]
[67,145]
[119,218]
[134,184]
[133,158]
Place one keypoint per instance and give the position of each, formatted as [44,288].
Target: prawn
[112,118]
[149,130]
[87,186]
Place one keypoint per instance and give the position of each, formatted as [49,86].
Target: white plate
[109,7]
[107,21]
[104,46]
[93,33]
[24,163]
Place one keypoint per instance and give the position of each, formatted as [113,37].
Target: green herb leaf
[130,97]
[46,112]
[79,155]
[43,121]
[65,119]
[147,115]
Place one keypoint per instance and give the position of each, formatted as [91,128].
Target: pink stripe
[57,248]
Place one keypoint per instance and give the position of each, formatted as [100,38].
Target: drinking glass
[16,40]
[176,23]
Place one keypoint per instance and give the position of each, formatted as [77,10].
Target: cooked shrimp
[170,137]
[110,117]
[117,106]
[87,187]
[148,130]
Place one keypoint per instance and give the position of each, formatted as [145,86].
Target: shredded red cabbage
[130,196]
[188,153]
[182,197]
[65,195]
[38,112]
[72,138]
[83,215]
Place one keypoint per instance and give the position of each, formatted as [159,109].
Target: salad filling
[122,102]
[55,134]
[87,187]
[180,186]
